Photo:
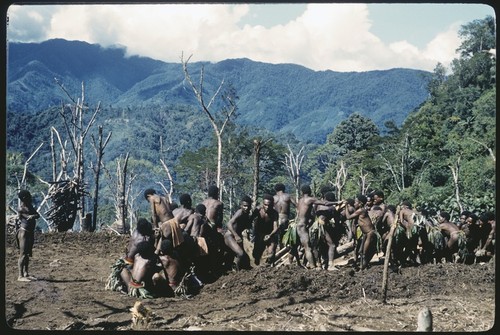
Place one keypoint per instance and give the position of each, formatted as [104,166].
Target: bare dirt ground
[72,270]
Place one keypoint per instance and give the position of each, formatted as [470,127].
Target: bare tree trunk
[77,133]
[293,163]
[122,195]
[340,179]
[25,171]
[99,147]
[257,147]
[228,111]
[363,183]
[455,171]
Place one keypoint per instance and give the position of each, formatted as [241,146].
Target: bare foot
[23,279]
[32,278]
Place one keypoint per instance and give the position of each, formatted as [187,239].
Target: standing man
[25,234]
[161,211]
[282,201]
[265,229]
[240,221]
[305,219]
[214,208]
[363,221]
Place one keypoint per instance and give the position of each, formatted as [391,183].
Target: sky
[322,36]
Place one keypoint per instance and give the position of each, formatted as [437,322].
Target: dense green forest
[442,157]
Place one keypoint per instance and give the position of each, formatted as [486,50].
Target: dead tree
[399,171]
[340,179]
[170,190]
[77,132]
[122,181]
[227,111]
[99,145]
[293,163]
[258,144]
[25,171]
[121,197]
[455,171]
[364,184]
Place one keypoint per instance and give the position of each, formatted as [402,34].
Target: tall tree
[228,108]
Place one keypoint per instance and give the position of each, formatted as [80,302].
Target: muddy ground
[72,269]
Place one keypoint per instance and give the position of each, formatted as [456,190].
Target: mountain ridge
[278,97]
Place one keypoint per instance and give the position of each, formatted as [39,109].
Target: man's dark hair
[350,201]
[392,208]
[149,191]
[407,203]
[268,197]
[247,199]
[166,247]
[213,192]
[362,198]
[185,199]
[330,196]
[379,193]
[473,217]
[144,227]
[377,208]
[465,213]
[490,215]
[24,195]
[445,215]
[306,189]
[201,208]
[145,249]
[324,189]
[279,187]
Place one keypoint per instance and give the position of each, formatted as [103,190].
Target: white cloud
[325,36]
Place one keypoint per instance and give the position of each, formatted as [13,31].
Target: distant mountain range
[279,97]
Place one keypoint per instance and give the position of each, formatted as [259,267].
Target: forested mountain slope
[282,97]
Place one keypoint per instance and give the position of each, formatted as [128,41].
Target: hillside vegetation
[440,153]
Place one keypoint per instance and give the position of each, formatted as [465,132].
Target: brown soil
[72,270]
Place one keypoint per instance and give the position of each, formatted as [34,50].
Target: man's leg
[304,240]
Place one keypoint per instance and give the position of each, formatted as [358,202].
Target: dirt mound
[72,269]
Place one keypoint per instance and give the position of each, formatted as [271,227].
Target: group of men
[183,247]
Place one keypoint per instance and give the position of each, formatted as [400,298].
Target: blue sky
[329,36]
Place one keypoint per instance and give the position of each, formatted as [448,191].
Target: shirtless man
[455,237]
[167,279]
[197,221]
[363,221]
[25,234]
[215,208]
[185,210]
[143,232]
[282,201]
[265,229]
[305,219]
[407,218]
[240,221]
[214,235]
[161,208]
[329,218]
[487,249]
[139,278]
